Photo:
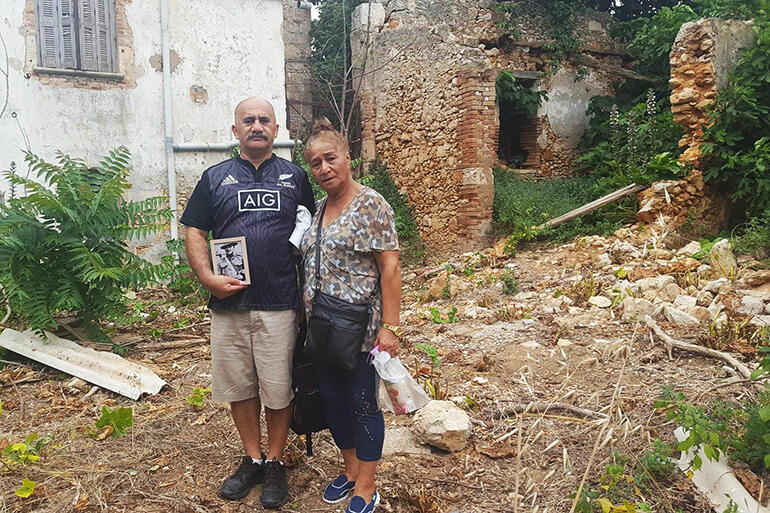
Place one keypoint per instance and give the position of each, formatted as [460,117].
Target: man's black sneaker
[237,486]
[275,490]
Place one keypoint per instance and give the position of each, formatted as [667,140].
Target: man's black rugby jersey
[234,199]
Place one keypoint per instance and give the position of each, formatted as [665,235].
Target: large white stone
[685,302]
[634,309]
[690,249]
[443,425]
[654,283]
[679,317]
[600,301]
[719,286]
[751,305]
[722,260]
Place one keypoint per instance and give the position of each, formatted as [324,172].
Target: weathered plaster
[568,99]
[229,49]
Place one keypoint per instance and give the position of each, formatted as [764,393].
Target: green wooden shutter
[87,35]
[48,33]
[68,37]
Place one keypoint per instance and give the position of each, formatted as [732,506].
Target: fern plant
[64,244]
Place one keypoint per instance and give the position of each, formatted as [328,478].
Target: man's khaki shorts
[251,354]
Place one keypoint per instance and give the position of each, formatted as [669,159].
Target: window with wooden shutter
[48,33]
[77,34]
[68,44]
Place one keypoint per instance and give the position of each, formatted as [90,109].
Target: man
[253,328]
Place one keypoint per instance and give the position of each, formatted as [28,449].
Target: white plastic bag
[403,394]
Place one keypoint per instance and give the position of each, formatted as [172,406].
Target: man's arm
[198,255]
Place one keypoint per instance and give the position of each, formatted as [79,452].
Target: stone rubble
[443,425]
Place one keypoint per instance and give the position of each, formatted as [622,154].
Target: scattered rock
[654,283]
[690,249]
[722,260]
[760,294]
[498,250]
[600,301]
[703,270]
[530,344]
[604,259]
[443,425]
[704,298]
[719,286]
[563,342]
[679,317]
[401,440]
[751,306]
[700,312]
[634,309]
[685,302]
[757,278]
[715,308]
[442,287]
[761,321]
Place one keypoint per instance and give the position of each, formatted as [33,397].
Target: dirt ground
[592,380]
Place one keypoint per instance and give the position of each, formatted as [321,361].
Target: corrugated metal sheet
[101,368]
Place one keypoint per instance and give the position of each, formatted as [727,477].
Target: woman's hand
[387,341]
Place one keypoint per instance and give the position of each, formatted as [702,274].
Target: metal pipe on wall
[222,146]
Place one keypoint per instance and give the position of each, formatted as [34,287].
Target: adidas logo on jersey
[229,180]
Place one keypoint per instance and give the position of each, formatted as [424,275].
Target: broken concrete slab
[101,368]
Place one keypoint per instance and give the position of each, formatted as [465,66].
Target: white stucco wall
[232,48]
[568,99]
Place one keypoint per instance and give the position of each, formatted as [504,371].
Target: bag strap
[318,249]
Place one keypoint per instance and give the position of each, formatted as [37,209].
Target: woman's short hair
[324,131]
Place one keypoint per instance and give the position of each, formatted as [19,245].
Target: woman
[360,264]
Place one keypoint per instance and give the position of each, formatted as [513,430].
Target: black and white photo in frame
[230,258]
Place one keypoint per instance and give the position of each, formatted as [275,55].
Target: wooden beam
[594,205]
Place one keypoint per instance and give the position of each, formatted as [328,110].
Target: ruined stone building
[701,58]
[86,76]
[429,109]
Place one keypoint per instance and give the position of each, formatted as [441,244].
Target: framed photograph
[230,258]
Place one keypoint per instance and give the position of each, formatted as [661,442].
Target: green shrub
[517,97]
[756,235]
[379,179]
[64,246]
[639,145]
[521,203]
[737,148]
[510,283]
[181,278]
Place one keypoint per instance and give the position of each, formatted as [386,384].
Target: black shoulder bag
[336,328]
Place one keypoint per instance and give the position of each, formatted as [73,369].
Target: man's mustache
[257,136]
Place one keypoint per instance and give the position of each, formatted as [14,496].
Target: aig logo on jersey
[258,199]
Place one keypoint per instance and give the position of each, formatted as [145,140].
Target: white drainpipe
[168,118]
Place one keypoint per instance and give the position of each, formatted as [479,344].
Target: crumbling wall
[299,85]
[429,109]
[701,58]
